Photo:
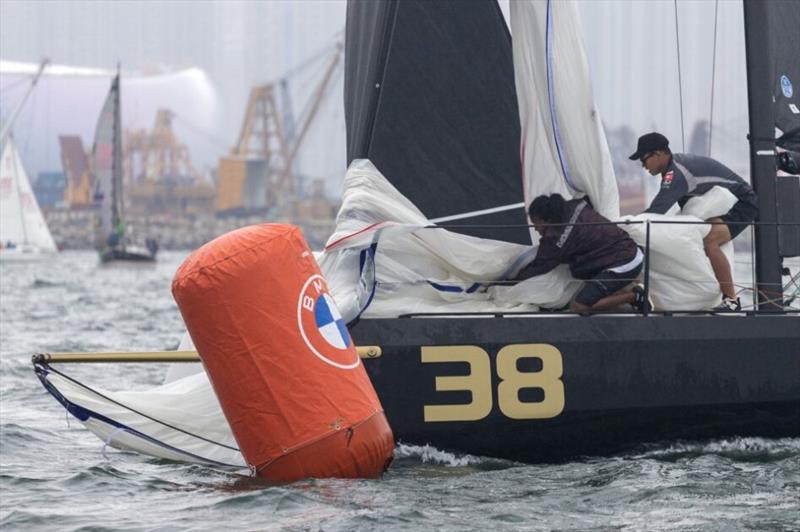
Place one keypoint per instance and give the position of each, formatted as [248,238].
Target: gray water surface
[55,475]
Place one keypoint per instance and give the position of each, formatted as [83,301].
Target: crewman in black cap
[684,176]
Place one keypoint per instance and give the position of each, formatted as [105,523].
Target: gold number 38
[479,382]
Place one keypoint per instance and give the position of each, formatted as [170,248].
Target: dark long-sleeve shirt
[588,249]
[693,175]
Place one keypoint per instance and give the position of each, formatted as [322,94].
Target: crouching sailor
[683,176]
[597,251]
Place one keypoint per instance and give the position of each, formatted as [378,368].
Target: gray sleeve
[672,189]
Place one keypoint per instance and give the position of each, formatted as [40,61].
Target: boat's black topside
[110,255]
[545,388]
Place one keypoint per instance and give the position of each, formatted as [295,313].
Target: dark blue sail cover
[430,99]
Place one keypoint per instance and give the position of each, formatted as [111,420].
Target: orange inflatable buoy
[280,358]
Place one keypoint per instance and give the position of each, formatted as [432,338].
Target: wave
[739,448]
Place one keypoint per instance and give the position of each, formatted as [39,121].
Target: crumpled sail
[385,259]
[21,220]
[180,420]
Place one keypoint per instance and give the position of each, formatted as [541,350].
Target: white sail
[22,225]
[564,147]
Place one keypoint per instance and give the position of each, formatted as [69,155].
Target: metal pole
[647,267]
[7,126]
[368,351]
[763,170]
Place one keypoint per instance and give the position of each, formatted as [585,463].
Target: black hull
[122,255]
[626,382]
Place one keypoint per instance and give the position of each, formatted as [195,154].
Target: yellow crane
[258,173]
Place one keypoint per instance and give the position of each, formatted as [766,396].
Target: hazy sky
[632,47]
[237,43]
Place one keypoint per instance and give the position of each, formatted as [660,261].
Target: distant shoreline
[73,229]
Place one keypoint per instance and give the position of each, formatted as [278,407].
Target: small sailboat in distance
[24,234]
[113,239]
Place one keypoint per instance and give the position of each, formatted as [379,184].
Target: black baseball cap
[649,142]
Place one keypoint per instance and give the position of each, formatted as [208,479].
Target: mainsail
[21,220]
[443,130]
[106,160]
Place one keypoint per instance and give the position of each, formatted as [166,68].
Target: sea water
[55,475]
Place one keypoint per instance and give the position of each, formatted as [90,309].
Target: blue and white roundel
[330,323]
[321,326]
[786,86]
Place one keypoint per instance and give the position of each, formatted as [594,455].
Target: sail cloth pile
[385,259]
[179,420]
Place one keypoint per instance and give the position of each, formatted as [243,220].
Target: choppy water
[54,475]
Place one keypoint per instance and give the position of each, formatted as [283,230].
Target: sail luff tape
[367,351]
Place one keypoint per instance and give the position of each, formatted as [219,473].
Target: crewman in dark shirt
[597,251]
[684,176]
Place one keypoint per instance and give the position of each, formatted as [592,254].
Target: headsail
[564,147]
[21,220]
[430,100]
[106,160]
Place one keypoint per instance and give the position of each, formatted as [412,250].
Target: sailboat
[113,239]
[442,138]
[24,234]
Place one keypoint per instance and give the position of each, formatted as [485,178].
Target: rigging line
[336,38]
[309,105]
[680,80]
[713,77]
[16,84]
